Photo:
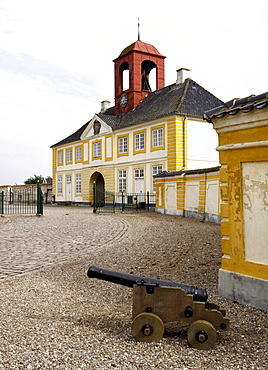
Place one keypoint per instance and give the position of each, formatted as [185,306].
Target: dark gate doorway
[100,190]
[100,182]
[97,181]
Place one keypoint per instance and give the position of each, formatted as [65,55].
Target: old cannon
[157,302]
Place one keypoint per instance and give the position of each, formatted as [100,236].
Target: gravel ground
[54,317]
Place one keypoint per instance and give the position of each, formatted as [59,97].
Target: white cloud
[56,62]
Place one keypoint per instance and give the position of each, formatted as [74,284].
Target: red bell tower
[132,68]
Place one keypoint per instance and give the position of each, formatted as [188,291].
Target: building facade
[242,126]
[121,148]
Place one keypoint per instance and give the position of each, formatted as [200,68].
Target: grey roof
[234,106]
[187,98]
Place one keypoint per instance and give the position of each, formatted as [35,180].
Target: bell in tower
[136,63]
[147,66]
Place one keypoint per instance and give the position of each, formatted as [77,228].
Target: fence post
[123,207]
[2,202]
[148,201]
[94,197]
[39,200]
[10,196]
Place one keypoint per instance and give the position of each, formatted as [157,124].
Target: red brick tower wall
[134,55]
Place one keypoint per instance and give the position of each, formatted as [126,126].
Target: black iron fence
[22,200]
[109,202]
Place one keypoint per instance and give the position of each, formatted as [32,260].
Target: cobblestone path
[29,242]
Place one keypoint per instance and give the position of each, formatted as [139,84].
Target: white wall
[192,196]
[202,143]
[255,211]
[212,197]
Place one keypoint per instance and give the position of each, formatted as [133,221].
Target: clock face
[123,100]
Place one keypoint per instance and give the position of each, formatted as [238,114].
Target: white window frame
[96,149]
[122,145]
[78,187]
[139,173]
[139,141]
[78,154]
[59,184]
[60,157]
[157,137]
[122,181]
[155,170]
[69,155]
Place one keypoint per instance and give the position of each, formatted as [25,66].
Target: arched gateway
[98,179]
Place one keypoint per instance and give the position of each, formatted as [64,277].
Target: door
[139,185]
[69,188]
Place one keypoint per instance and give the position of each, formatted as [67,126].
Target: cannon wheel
[147,327]
[202,334]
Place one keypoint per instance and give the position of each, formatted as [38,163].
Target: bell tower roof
[142,47]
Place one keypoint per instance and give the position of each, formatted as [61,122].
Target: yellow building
[242,127]
[145,133]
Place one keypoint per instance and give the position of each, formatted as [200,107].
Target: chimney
[105,104]
[182,74]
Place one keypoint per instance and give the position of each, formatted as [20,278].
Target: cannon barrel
[199,294]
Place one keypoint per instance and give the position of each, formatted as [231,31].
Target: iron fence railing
[22,201]
[105,201]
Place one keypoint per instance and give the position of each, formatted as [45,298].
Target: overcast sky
[56,62]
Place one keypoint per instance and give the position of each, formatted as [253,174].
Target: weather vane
[138,28]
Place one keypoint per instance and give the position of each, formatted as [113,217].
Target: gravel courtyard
[54,317]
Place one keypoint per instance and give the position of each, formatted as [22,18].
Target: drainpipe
[183,143]
[204,214]
[183,212]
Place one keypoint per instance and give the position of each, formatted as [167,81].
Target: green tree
[34,179]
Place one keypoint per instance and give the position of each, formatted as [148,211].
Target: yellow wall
[181,194]
[232,228]
[176,143]
[54,167]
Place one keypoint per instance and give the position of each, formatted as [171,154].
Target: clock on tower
[123,100]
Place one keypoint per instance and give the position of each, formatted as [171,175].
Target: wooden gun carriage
[157,302]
